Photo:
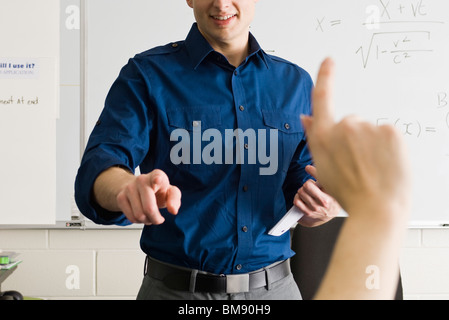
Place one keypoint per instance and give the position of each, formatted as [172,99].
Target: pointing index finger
[322,99]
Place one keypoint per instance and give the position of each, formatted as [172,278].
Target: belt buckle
[236,283]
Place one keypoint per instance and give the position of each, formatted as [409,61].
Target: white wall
[110,263]
[425,264]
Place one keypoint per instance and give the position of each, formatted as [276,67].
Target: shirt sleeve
[120,138]
[296,175]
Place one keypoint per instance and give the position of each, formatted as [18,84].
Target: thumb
[312,171]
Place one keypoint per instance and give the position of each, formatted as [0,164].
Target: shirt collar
[198,47]
[255,49]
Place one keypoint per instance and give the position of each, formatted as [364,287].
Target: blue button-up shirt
[229,138]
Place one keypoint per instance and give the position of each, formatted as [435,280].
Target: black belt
[183,279]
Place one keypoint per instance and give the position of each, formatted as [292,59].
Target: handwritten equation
[399,31]
[398,46]
[411,35]
[419,128]
[413,127]
[378,36]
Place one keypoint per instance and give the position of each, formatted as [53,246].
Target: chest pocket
[290,134]
[188,143]
[191,118]
[285,122]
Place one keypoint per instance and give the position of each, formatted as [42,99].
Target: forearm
[365,261]
[108,185]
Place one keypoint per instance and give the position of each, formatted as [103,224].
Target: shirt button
[242,108]
[196,123]
[287,126]
[236,73]
[246,146]
[245,229]
[238,267]
[245,188]
[174,45]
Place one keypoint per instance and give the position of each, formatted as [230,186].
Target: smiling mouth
[224,18]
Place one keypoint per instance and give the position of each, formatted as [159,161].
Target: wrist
[108,186]
[376,211]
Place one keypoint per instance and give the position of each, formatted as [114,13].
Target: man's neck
[235,55]
[235,51]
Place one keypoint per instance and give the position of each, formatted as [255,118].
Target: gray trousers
[284,289]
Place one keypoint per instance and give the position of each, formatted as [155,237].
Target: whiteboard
[63,40]
[391,65]
[116,31]
[29,83]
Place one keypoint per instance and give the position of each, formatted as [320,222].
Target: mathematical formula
[418,127]
[399,31]
[413,127]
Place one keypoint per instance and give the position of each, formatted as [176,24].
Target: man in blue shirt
[214,120]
